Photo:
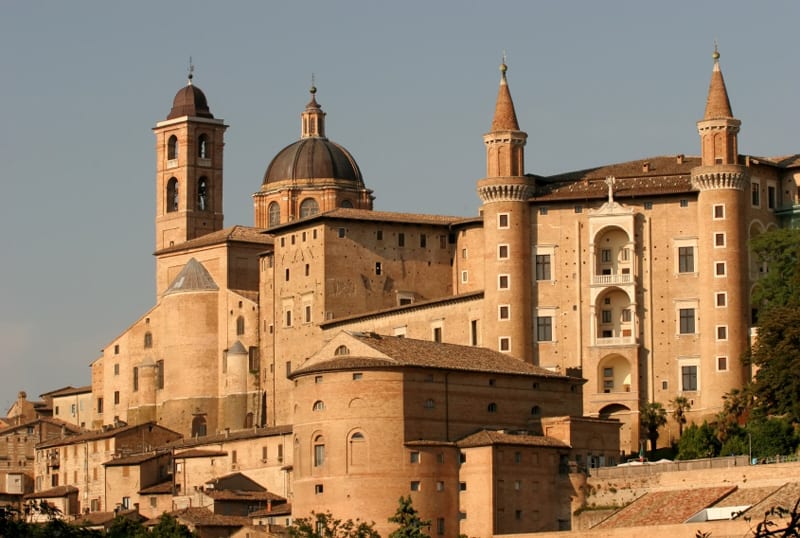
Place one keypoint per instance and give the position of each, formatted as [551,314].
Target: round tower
[507,315]
[722,318]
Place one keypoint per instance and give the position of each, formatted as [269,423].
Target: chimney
[679,159]
[645,167]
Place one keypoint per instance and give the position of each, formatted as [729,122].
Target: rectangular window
[437,334]
[771,197]
[719,239]
[116,369]
[686,323]
[308,313]
[606,316]
[439,485]
[689,378]
[464,277]
[318,489]
[626,315]
[288,318]
[686,259]
[543,211]
[578,209]
[544,329]
[719,212]
[288,368]
[755,190]
[319,455]
[378,268]
[719,268]
[722,299]
[722,332]
[542,267]
[135,378]
[401,239]
[440,526]
[502,251]
[318,379]
[423,240]
[505,343]
[100,405]
[684,202]
[504,311]
[253,359]
[502,282]
[605,255]
[341,233]
[379,235]
[160,374]
[648,205]
[414,457]
[414,486]
[462,486]
[442,241]
[722,364]
[357,376]
[464,253]
[473,332]
[502,220]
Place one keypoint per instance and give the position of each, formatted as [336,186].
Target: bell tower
[505,192]
[189,144]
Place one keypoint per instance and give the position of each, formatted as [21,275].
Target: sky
[408,87]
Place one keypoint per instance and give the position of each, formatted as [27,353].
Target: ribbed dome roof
[190,101]
[313,158]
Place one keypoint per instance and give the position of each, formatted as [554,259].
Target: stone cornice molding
[705,178]
[504,191]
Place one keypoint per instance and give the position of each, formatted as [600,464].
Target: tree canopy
[652,417]
[325,525]
[409,523]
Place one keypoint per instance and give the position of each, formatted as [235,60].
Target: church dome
[190,101]
[313,158]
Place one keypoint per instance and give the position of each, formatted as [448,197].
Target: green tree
[324,525]
[409,523]
[698,442]
[123,527]
[772,437]
[169,527]
[779,252]
[680,405]
[652,416]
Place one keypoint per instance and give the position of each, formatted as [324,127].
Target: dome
[190,101]
[313,158]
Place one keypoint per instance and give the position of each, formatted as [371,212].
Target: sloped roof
[136,459]
[665,507]
[164,487]
[52,493]
[203,517]
[232,234]
[368,215]
[193,277]
[398,352]
[505,117]
[494,437]
[249,433]
[100,434]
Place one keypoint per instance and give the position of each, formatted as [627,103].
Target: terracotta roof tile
[233,234]
[408,352]
[98,434]
[493,437]
[367,215]
[236,495]
[58,491]
[250,433]
[135,459]
[203,517]
[283,509]
[505,117]
[164,487]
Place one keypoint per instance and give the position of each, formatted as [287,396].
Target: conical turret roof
[505,117]
[717,105]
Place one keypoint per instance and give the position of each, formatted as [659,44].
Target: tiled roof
[66,391]
[97,434]
[505,118]
[200,453]
[493,437]
[94,519]
[370,216]
[203,517]
[785,496]
[233,234]
[408,352]
[250,433]
[236,495]
[136,459]
[419,305]
[164,487]
[70,428]
[58,491]
[665,507]
[283,509]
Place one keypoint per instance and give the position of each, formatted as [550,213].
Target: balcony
[615,341]
[610,280]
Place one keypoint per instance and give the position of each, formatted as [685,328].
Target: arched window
[342,350]
[358,436]
[308,207]
[172,195]
[148,339]
[172,148]
[239,326]
[202,194]
[248,420]
[319,405]
[347,203]
[536,411]
[274,214]
[319,451]
[202,147]
[492,407]
[199,426]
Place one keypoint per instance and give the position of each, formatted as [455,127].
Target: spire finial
[503,66]
[715,55]
[191,70]
[313,89]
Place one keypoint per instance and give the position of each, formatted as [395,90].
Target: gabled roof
[67,391]
[203,517]
[52,493]
[494,437]
[398,352]
[100,434]
[136,459]
[249,433]
[233,234]
[67,426]
[164,487]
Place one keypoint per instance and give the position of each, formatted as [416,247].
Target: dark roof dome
[313,158]
[190,101]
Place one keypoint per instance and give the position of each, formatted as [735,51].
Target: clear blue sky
[409,89]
